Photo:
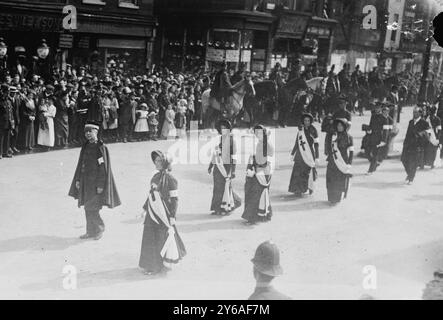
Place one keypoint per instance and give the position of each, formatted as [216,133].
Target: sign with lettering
[28,22]
[66,41]
[246,55]
[216,55]
[232,55]
[295,26]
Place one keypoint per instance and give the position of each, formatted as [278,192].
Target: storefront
[192,41]
[287,45]
[302,36]
[99,41]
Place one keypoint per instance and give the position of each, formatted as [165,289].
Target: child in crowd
[141,126]
[153,125]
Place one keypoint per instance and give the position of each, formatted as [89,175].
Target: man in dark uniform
[295,70]
[93,183]
[342,113]
[222,87]
[239,75]
[414,143]
[16,100]
[379,129]
[7,123]
[266,267]
[276,75]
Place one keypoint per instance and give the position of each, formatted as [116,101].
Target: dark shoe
[15,150]
[8,155]
[85,236]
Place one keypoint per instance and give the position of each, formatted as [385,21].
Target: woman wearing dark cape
[222,167]
[339,151]
[161,244]
[258,179]
[305,155]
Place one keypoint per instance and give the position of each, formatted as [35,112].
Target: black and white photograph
[221,150]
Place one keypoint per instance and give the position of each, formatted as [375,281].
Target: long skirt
[253,191]
[219,189]
[430,154]
[46,136]
[168,130]
[299,182]
[61,130]
[335,183]
[27,135]
[154,237]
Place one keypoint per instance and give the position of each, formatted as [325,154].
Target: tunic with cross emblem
[335,179]
[299,182]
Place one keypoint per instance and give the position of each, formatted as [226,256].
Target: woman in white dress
[141,126]
[168,130]
[110,115]
[46,134]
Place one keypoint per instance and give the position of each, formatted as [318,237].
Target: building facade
[108,31]
[198,34]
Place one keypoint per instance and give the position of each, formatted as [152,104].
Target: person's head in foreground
[266,266]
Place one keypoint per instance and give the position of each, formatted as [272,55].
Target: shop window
[97,2]
[131,4]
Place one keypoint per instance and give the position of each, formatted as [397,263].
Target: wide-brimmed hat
[267,259]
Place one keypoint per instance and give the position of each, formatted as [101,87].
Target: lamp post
[423,92]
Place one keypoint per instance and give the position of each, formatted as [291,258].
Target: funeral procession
[221,150]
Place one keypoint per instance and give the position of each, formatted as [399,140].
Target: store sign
[246,56]
[83,43]
[29,22]
[232,55]
[293,25]
[215,55]
[66,41]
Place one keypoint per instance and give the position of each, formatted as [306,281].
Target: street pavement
[386,231]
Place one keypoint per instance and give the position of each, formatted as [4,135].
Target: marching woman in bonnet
[222,167]
[305,156]
[339,151]
[161,244]
[258,179]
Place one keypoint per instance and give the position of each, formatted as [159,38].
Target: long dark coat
[109,197]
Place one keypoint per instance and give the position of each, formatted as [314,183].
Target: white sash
[432,138]
[228,197]
[264,198]
[338,159]
[305,149]
[157,211]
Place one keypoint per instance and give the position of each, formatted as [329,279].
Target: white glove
[291,157]
[382,144]
[317,162]
[172,221]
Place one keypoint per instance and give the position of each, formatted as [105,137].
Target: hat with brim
[308,115]
[92,125]
[343,121]
[267,259]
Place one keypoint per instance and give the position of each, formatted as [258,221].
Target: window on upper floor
[97,2]
[131,4]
